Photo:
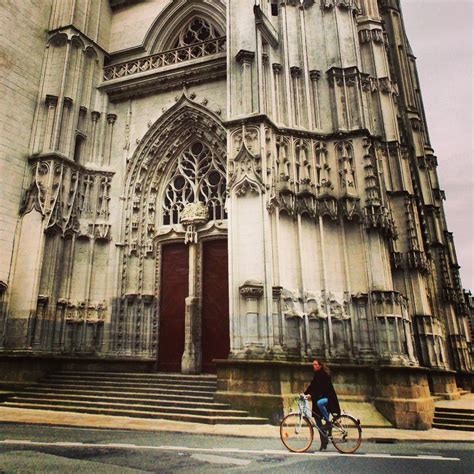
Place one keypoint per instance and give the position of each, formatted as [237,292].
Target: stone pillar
[252,292]
[193,215]
[26,273]
[51,104]
[246,59]
[95,116]
[111,118]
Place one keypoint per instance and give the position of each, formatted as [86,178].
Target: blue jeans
[322,407]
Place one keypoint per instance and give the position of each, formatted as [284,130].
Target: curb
[371,438]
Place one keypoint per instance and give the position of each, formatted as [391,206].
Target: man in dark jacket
[323,396]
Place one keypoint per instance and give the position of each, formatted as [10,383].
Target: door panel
[215,303]
[174,290]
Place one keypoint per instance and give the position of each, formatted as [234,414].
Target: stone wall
[402,395]
[22,46]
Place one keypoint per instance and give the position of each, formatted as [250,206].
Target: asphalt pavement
[26,448]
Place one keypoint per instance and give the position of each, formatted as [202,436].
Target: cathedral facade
[237,186]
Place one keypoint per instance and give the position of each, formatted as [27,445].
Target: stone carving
[248,135]
[323,180]
[251,289]
[338,306]
[345,155]
[291,304]
[176,175]
[245,173]
[64,193]
[351,5]
[368,35]
[300,3]
[192,215]
[157,61]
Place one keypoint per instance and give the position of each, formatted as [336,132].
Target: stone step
[446,426]
[167,396]
[154,377]
[127,387]
[166,375]
[188,417]
[454,415]
[136,382]
[455,410]
[121,398]
[205,411]
[453,421]
[124,384]
[153,395]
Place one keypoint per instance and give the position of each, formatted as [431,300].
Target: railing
[166,58]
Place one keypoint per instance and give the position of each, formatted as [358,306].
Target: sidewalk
[54,418]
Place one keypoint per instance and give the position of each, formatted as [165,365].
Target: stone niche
[268,389]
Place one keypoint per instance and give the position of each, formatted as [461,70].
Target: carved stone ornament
[193,214]
[351,5]
[245,173]
[63,192]
[251,289]
[300,3]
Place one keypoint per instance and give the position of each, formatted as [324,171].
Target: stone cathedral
[235,187]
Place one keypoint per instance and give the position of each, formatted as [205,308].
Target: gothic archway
[174,205]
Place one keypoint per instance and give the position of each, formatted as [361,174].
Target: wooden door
[174,290]
[215,303]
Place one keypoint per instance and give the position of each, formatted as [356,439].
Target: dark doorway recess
[174,290]
[215,303]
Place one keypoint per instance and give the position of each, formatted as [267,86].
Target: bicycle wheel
[296,432]
[346,434]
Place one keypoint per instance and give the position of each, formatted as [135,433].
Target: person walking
[324,398]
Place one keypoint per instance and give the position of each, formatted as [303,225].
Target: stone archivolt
[178,164]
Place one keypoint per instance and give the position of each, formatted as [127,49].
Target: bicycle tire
[296,433]
[346,434]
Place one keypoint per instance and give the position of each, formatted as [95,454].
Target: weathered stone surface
[283,132]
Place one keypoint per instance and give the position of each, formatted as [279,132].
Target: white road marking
[212,458]
[226,450]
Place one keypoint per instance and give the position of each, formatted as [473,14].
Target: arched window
[196,31]
[199,175]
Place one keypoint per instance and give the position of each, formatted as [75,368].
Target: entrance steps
[167,396]
[455,414]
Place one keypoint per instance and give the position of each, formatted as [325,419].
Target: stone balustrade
[166,58]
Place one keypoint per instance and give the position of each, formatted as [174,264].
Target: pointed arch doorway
[192,263]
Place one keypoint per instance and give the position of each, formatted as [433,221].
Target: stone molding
[245,57]
[251,289]
[268,31]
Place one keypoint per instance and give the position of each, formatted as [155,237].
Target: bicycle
[297,430]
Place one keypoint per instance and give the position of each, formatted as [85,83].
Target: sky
[441,35]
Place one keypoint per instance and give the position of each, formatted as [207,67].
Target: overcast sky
[441,35]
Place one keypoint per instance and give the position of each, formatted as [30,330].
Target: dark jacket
[321,387]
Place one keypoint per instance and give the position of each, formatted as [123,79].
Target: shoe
[324,445]
[328,426]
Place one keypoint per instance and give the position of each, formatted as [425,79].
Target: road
[40,449]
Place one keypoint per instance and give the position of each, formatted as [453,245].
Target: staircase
[455,415]
[167,396]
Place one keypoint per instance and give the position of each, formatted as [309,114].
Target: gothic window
[196,31]
[199,175]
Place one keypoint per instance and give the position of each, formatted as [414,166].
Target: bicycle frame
[299,426]
[304,410]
